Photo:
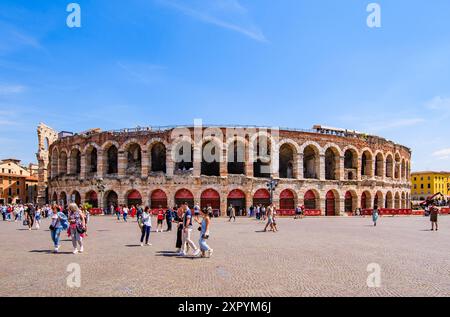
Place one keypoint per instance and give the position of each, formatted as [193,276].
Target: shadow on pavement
[132,245]
[49,252]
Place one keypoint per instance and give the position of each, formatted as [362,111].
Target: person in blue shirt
[169,219]
[187,233]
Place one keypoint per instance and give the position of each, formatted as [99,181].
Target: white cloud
[11,89]
[439,103]
[442,154]
[229,10]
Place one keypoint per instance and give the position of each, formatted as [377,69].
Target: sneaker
[56,250]
[197,252]
[178,250]
[75,251]
[142,244]
[148,244]
[211,252]
[81,249]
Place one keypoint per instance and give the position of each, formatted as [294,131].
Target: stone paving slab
[308,257]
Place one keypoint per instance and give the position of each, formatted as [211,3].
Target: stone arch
[111,157]
[133,157]
[332,203]
[351,155]
[63,198]
[389,202]
[261,148]
[379,164]
[378,200]
[311,199]
[183,154]
[397,163]
[389,165]
[158,199]
[403,201]
[183,195]
[366,162]
[366,200]
[403,169]
[75,161]
[311,161]
[332,162]
[91,197]
[287,161]
[158,156]
[288,199]
[91,158]
[75,197]
[133,197]
[397,200]
[111,198]
[63,161]
[350,201]
[236,155]
[212,149]
[54,162]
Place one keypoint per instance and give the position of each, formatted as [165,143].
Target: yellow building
[428,183]
[18,184]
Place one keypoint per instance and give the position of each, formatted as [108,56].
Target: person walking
[77,227]
[298,212]
[118,211]
[179,219]
[4,210]
[205,224]
[146,220]
[434,212]
[187,233]
[58,224]
[160,219]
[269,219]
[169,219]
[38,217]
[232,213]
[139,212]
[30,213]
[375,215]
[125,213]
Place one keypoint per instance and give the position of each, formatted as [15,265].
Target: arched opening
[351,164]
[310,200]
[236,198]
[236,158]
[91,161]
[366,164]
[261,167]
[287,161]
[350,201]
[397,201]
[332,164]
[287,200]
[158,199]
[378,200]
[184,157]
[112,160]
[134,160]
[158,157]
[330,204]
[75,162]
[111,199]
[311,162]
[261,197]
[76,198]
[211,198]
[55,198]
[379,170]
[63,163]
[46,144]
[92,199]
[54,163]
[397,167]
[134,198]
[210,159]
[389,166]
[63,199]
[366,200]
[403,202]
[389,203]
[184,196]
[403,171]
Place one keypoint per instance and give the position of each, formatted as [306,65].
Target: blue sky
[291,63]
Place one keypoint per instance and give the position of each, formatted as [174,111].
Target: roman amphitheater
[330,171]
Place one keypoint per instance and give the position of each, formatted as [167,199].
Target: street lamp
[271,185]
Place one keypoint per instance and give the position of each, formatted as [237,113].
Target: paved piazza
[309,257]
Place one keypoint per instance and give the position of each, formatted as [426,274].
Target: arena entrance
[184,196]
[237,199]
[210,198]
[63,199]
[330,205]
[111,199]
[310,200]
[92,199]
[134,198]
[287,200]
[158,199]
[261,197]
[76,198]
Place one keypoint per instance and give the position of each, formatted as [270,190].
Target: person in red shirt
[161,215]
[133,211]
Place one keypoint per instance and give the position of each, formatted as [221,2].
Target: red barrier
[285,212]
[95,211]
[445,211]
[313,212]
